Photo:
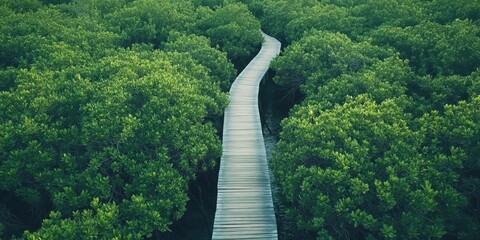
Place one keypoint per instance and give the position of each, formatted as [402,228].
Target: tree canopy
[381,144]
[109,110]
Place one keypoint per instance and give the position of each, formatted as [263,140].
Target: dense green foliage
[385,142]
[109,109]
[235,36]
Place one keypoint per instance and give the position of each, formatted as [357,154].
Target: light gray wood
[244,202]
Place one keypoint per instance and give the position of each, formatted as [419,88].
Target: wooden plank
[244,202]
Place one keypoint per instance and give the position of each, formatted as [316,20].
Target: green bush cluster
[384,143]
[109,109]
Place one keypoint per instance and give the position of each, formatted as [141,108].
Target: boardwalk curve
[244,201]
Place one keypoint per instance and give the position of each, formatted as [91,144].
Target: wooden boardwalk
[244,201]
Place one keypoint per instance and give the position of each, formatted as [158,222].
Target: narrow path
[244,201]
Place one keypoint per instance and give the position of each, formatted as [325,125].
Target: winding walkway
[244,201]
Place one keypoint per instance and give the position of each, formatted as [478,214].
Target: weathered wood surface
[244,201]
